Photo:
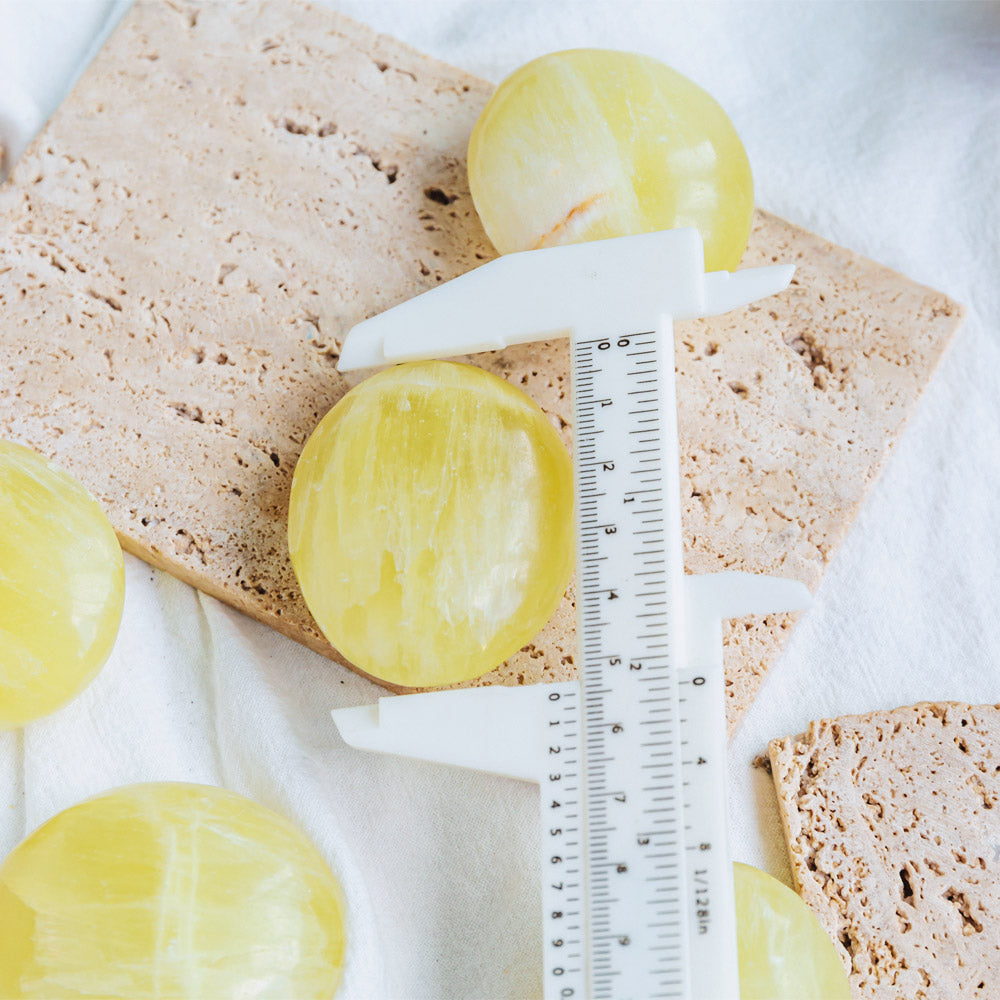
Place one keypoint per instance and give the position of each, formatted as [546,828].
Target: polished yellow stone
[591,143]
[169,890]
[62,584]
[431,523]
[784,953]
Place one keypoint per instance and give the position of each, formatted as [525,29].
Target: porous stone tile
[230,187]
[890,822]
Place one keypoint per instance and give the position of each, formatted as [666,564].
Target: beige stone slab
[890,821]
[229,188]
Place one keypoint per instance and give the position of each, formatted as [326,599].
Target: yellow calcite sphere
[591,143]
[62,586]
[169,890]
[784,953]
[431,523]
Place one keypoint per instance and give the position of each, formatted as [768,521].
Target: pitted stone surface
[229,188]
[890,824]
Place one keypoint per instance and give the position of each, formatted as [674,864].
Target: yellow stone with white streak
[169,890]
[591,143]
[62,585]
[431,523]
[784,952]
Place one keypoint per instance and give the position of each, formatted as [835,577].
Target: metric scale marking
[627,635]
[636,879]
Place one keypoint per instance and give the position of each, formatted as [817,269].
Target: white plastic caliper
[637,887]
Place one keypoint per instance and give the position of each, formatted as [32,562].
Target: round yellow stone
[431,523]
[169,890]
[62,586]
[591,143]
[784,953]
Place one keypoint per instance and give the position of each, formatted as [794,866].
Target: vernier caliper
[636,877]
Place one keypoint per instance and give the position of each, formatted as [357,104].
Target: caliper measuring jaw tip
[483,729]
[624,283]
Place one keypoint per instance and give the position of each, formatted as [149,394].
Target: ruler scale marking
[610,376]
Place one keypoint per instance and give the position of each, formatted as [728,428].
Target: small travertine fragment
[891,824]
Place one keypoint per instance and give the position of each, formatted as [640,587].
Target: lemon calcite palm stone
[431,523]
[784,952]
[62,583]
[592,143]
[169,890]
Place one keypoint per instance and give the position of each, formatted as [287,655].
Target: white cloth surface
[876,126]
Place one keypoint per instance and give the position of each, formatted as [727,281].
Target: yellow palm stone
[784,953]
[62,584]
[431,523]
[169,890]
[591,143]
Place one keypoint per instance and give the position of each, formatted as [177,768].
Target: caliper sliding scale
[637,887]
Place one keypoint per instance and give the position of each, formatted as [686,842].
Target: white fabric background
[876,126]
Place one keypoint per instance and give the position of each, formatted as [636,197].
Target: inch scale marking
[636,879]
